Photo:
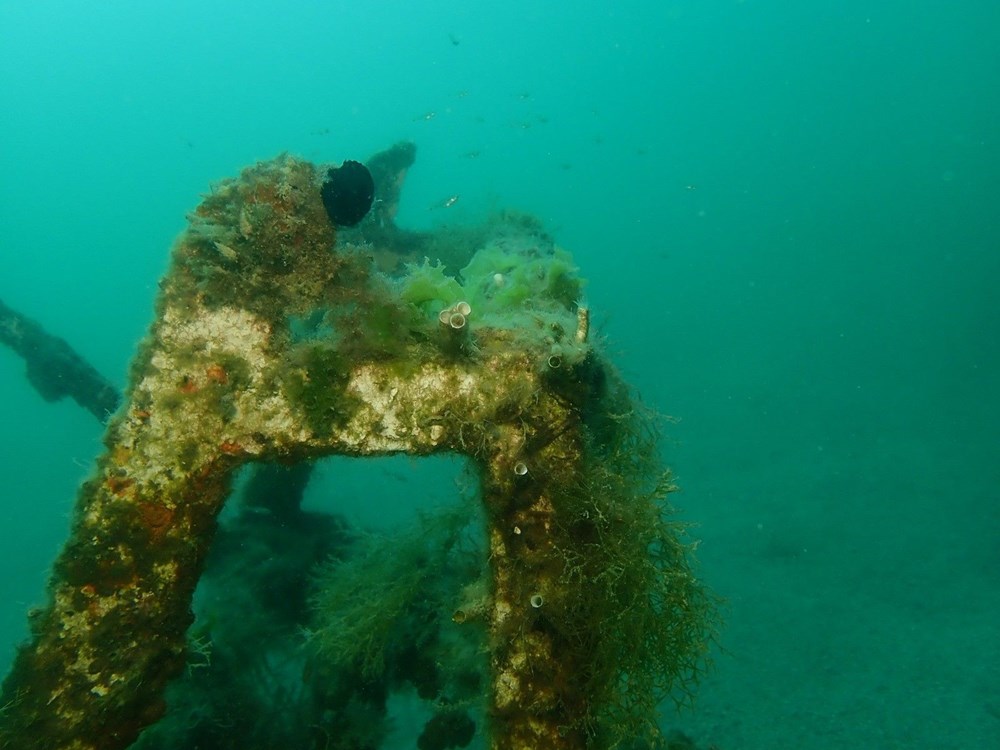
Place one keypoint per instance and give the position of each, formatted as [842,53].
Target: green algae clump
[316,381]
[396,592]
[637,615]
[429,288]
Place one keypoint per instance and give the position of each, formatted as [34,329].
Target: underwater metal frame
[272,342]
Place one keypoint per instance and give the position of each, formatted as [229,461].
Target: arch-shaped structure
[276,341]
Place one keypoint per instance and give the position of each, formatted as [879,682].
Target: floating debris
[448,202]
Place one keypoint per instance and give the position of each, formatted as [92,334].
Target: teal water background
[789,213]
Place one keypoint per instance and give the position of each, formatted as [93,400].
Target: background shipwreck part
[388,169]
[54,369]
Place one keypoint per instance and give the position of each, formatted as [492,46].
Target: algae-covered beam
[275,342]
